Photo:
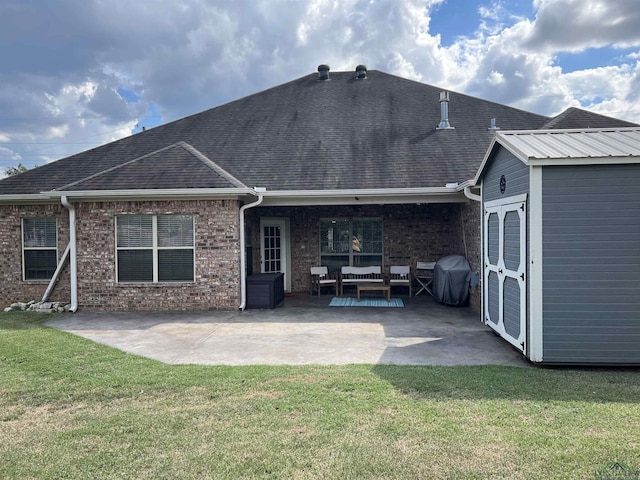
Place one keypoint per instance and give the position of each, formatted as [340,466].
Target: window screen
[39,243]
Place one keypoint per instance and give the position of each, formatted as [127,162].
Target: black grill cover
[451,277]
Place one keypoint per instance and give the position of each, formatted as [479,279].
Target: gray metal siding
[515,172]
[591,264]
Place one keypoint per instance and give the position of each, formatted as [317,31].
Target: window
[155,248]
[356,241]
[39,248]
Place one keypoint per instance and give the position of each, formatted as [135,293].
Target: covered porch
[292,239]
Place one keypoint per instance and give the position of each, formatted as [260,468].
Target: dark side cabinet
[265,290]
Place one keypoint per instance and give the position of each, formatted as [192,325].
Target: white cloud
[575,25]
[63,67]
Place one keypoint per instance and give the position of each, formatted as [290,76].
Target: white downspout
[470,195]
[243,269]
[73,268]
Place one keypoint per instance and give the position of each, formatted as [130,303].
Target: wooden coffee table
[374,287]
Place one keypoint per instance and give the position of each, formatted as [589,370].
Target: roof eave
[31,198]
[153,194]
[608,160]
[363,196]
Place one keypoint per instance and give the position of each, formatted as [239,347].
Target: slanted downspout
[56,274]
[73,268]
[243,262]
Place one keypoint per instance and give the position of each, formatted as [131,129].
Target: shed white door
[505,292]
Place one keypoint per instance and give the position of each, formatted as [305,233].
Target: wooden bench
[360,275]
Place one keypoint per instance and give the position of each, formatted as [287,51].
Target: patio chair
[320,278]
[424,276]
[401,277]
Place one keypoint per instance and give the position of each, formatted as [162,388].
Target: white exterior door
[274,248]
[504,251]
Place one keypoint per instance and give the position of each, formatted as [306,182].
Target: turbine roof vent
[323,72]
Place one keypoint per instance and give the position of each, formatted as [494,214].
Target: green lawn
[70,408]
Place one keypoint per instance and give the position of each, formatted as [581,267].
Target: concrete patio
[303,330]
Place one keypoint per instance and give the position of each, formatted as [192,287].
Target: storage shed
[561,244]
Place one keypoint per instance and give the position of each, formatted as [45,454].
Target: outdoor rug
[365,302]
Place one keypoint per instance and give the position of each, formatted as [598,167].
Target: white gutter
[466,189]
[73,268]
[470,195]
[152,193]
[243,262]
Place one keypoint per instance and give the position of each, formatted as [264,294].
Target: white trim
[536,319]
[37,198]
[507,200]
[488,153]
[501,207]
[609,160]
[393,196]
[278,197]
[163,194]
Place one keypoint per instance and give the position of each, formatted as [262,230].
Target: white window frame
[155,248]
[28,248]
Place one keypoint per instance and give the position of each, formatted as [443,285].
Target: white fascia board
[548,161]
[146,194]
[36,198]
[363,197]
[488,153]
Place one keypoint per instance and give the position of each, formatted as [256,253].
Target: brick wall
[217,283]
[12,286]
[411,233]
[471,218]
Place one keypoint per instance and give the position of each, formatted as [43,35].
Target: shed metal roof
[567,147]
[584,145]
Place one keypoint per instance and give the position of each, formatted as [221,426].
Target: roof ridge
[184,145]
[211,164]
[116,167]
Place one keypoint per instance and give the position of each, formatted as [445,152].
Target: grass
[70,408]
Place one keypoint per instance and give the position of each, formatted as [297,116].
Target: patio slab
[304,330]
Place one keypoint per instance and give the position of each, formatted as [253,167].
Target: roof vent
[444,112]
[323,72]
[493,125]
[361,72]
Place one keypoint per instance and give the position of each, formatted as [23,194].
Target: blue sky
[76,75]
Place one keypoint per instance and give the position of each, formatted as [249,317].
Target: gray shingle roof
[341,133]
[176,165]
[573,118]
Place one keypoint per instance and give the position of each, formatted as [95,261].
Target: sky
[77,74]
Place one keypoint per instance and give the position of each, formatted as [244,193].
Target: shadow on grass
[491,382]
[24,320]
